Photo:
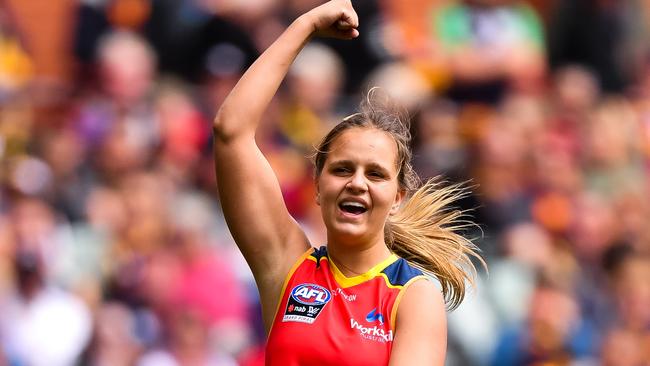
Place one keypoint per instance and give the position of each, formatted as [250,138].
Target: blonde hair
[426,231]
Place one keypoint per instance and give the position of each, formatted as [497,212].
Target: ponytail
[425,232]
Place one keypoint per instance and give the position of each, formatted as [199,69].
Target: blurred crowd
[113,247]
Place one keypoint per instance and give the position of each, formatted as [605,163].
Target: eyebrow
[370,165]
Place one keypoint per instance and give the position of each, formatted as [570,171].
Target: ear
[399,197]
[317,194]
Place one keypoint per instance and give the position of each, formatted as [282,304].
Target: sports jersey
[324,318]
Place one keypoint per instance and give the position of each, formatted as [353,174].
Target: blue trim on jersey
[318,254]
[400,272]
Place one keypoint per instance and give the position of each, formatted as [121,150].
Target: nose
[357,183]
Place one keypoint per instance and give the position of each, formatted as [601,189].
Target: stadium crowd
[113,247]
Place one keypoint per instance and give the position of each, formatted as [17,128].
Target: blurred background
[113,247]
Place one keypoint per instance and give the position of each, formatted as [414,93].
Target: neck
[354,260]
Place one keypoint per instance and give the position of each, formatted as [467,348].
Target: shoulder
[421,326]
[421,299]
[400,273]
[416,291]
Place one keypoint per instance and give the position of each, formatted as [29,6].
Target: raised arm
[250,195]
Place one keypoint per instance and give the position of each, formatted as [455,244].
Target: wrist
[306,23]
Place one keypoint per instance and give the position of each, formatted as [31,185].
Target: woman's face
[358,187]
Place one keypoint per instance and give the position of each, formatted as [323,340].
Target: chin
[347,233]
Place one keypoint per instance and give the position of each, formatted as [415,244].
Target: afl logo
[310,294]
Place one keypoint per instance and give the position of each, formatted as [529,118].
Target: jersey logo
[310,294]
[375,333]
[348,297]
[373,315]
[305,303]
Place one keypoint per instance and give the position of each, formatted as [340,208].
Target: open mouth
[354,208]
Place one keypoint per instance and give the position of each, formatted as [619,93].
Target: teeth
[354,204]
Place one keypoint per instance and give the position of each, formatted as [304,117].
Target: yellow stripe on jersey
[288,277]
[373,272]
[393,313]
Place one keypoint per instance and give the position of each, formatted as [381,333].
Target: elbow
[218,126]
[233,122]
[223,127]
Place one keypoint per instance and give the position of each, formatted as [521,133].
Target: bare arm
[421,327]
[251,199]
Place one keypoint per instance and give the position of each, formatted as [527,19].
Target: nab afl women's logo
[306,303]
[310,294]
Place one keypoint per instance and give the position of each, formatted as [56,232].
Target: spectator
[491,44]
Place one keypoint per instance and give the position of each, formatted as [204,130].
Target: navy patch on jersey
[400,272]
[318,254]
[305,303]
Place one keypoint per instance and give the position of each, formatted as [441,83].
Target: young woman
[363,299]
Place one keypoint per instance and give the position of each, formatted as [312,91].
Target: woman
[355,301]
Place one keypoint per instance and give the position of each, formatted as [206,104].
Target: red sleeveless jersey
[325,318]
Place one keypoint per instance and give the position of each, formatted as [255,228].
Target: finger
[343,25]
[350,17]
[350,33]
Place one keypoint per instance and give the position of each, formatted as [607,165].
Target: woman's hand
[335,19]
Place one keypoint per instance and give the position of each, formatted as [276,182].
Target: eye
[340,170]
[376,175]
